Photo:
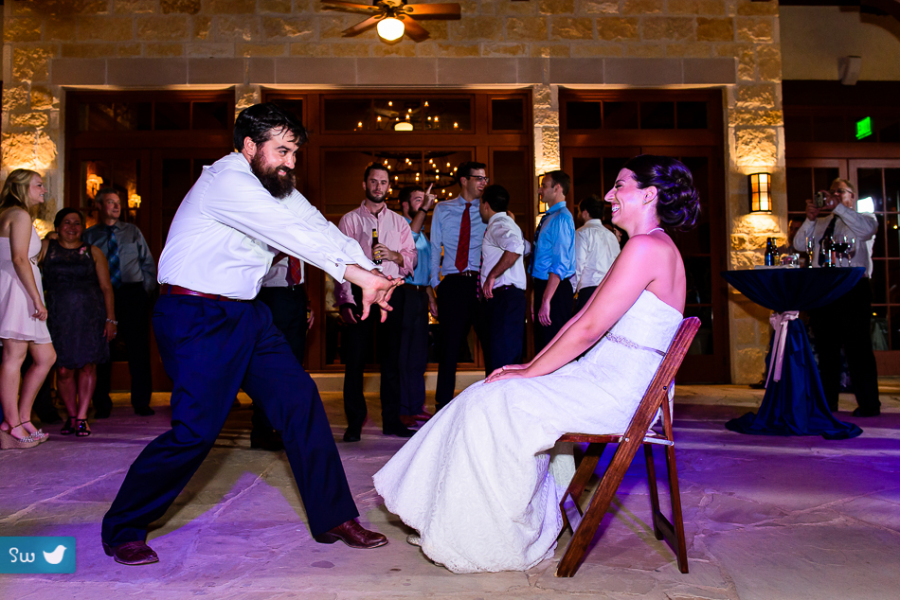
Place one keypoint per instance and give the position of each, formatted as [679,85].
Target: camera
[821,198]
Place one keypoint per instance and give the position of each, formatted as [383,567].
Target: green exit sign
[864,128]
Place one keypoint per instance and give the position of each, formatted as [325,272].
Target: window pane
[698,271]
[891,237]
[620,115]
[893,269]
[892,190]
[134,116]
[342,176]
[210,115]
[895,328]
[888,129]
[119,174]
[583,115]
[510,168]
[508,115]
[799,187]
[869,186]
[101,117]
[295,107]
[348,115]
[879,248]
[440,168]
[392,112]
[171,116]
[698,240]
[703,341]
[657,115]
[881,330]
[449,114]
[692,115]
[823,177]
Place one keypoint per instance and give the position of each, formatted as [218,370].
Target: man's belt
[463,274]
[418,288]
[177,290]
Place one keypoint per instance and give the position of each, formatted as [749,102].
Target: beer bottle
[377,261]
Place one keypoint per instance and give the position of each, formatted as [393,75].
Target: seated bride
[476,480]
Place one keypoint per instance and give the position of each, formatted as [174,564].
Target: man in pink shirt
[396,250]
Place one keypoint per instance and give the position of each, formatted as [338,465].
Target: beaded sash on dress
[624,341]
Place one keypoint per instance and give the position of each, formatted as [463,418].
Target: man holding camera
[845,323]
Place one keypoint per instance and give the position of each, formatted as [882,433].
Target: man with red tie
[284,292]
[457,232]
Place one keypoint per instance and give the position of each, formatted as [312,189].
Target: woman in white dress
[476,481]
[23,316]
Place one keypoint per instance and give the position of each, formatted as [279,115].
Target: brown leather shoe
[131,553]
[409,420]
[352,533]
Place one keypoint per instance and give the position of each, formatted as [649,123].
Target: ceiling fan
[393,18]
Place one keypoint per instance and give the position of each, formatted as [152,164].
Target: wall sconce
[760,193]
[390,29]
[134,201]
[94,183]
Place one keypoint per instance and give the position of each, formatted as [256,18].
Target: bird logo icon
[55,557]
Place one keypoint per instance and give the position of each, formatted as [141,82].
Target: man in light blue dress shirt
[553,262]
[454,271]
[418,300]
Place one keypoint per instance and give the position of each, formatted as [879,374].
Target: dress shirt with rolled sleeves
[422,273]
[596,247]
[277,275]
[136,264]
[228,227]
[503,235]
[861,226]
[393,232]
[554,249]
[445,222]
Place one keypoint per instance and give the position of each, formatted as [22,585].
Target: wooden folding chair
[639,433]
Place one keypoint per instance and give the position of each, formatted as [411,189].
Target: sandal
[10,442]
[38,435]
[81,428]
[69,427]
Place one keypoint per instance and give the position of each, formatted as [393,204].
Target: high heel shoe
[10,442]
[69,427]
[81,428]
[38,435]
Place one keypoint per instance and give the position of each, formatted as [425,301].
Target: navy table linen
[795,405]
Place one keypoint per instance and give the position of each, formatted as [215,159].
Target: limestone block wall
[246,44]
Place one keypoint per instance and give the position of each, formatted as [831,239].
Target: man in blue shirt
[456,235]
[553,262]
[417,301]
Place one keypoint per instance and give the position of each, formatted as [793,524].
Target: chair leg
[677,519]
[654,494]
[599,504]
[582,476]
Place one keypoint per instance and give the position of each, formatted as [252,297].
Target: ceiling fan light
[390,29]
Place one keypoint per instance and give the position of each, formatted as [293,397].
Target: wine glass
[841,248]
[851,249]
[810,248]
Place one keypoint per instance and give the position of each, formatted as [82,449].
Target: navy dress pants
[210,349]
[584,294]
[458,310]
[505,324]
[560,311]
[413,350]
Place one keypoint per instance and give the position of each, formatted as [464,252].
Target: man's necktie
[294,273]
[112,256]
[465,233]
[537,234]
[829,231]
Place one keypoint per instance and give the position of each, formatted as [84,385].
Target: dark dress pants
[210,349]
[356,340]
[458,311]
[132,313]
[505,325]
[846,323]
[413,350]
[583,296]
[288,307]
[560,311]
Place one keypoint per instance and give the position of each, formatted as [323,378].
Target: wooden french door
[594,171]
[877,183]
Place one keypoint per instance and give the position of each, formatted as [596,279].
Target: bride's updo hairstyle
[677,202]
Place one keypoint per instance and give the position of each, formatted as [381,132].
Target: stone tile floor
[766,518]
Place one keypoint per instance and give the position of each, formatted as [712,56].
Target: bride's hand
[509,372]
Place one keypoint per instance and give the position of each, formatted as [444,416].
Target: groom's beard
[278,181]
[373,198]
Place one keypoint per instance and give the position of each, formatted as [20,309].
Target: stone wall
[249,43]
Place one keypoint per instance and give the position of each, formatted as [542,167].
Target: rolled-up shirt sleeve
[304,233]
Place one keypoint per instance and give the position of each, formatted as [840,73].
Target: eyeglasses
[842,191]
[480,178]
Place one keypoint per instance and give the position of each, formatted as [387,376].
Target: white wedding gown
[476,480]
